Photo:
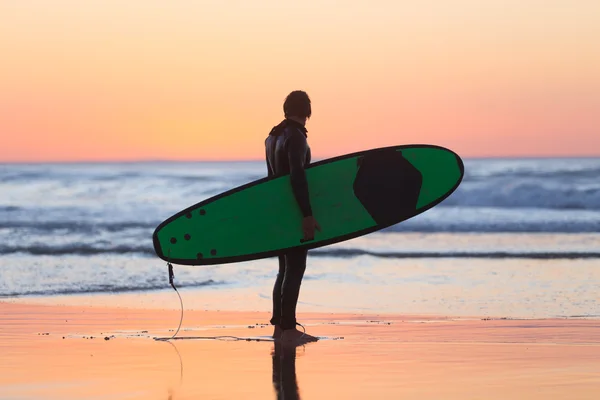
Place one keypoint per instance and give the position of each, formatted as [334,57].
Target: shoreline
[73,352]
[251,300]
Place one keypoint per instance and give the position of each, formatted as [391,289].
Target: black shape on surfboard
[387,185]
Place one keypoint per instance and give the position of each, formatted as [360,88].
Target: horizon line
[241,160]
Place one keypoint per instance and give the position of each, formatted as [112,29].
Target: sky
[205,80]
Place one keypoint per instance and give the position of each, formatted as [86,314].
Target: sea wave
[106,288]
[548,172]
[147,251]
[349,253]
[76,249]
[81,226]
[491,225]
[526,194]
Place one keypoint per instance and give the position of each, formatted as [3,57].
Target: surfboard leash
[171,282]
[224,337]
[171,277]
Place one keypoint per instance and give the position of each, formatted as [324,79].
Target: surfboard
[351,195]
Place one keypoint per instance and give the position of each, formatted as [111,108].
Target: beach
[69,352]
[492,294]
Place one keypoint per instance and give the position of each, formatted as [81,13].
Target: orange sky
[130,80]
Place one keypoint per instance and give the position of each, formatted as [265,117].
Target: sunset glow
[205,80]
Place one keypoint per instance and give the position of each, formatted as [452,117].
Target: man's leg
[294,272]
[295,265]
[276,317]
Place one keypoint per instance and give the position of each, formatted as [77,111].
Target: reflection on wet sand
[284,378]
[73,353]
[284,372]
[171,389]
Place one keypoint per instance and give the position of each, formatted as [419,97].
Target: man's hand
[309,224]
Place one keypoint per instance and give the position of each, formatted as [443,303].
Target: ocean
[519,238]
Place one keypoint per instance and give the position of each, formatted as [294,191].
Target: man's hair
[297,104]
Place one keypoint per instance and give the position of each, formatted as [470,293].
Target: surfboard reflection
[284,372]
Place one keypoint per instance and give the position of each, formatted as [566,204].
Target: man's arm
[270,171]
[296,151]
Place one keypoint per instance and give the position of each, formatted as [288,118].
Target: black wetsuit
[287,152]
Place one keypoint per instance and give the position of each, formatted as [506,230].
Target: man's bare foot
[295,337]
[277,332]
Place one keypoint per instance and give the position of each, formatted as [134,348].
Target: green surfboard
[351,195]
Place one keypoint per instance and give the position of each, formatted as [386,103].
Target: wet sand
[62,352]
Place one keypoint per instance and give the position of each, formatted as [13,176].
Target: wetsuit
[287,152]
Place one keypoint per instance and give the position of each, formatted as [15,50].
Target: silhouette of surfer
[287,152]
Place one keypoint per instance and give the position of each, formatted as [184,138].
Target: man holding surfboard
[287,152]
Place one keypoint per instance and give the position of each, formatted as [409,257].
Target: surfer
[287,152]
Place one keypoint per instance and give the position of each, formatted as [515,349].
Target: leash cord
[171,277]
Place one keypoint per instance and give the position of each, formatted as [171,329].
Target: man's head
[297,106]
